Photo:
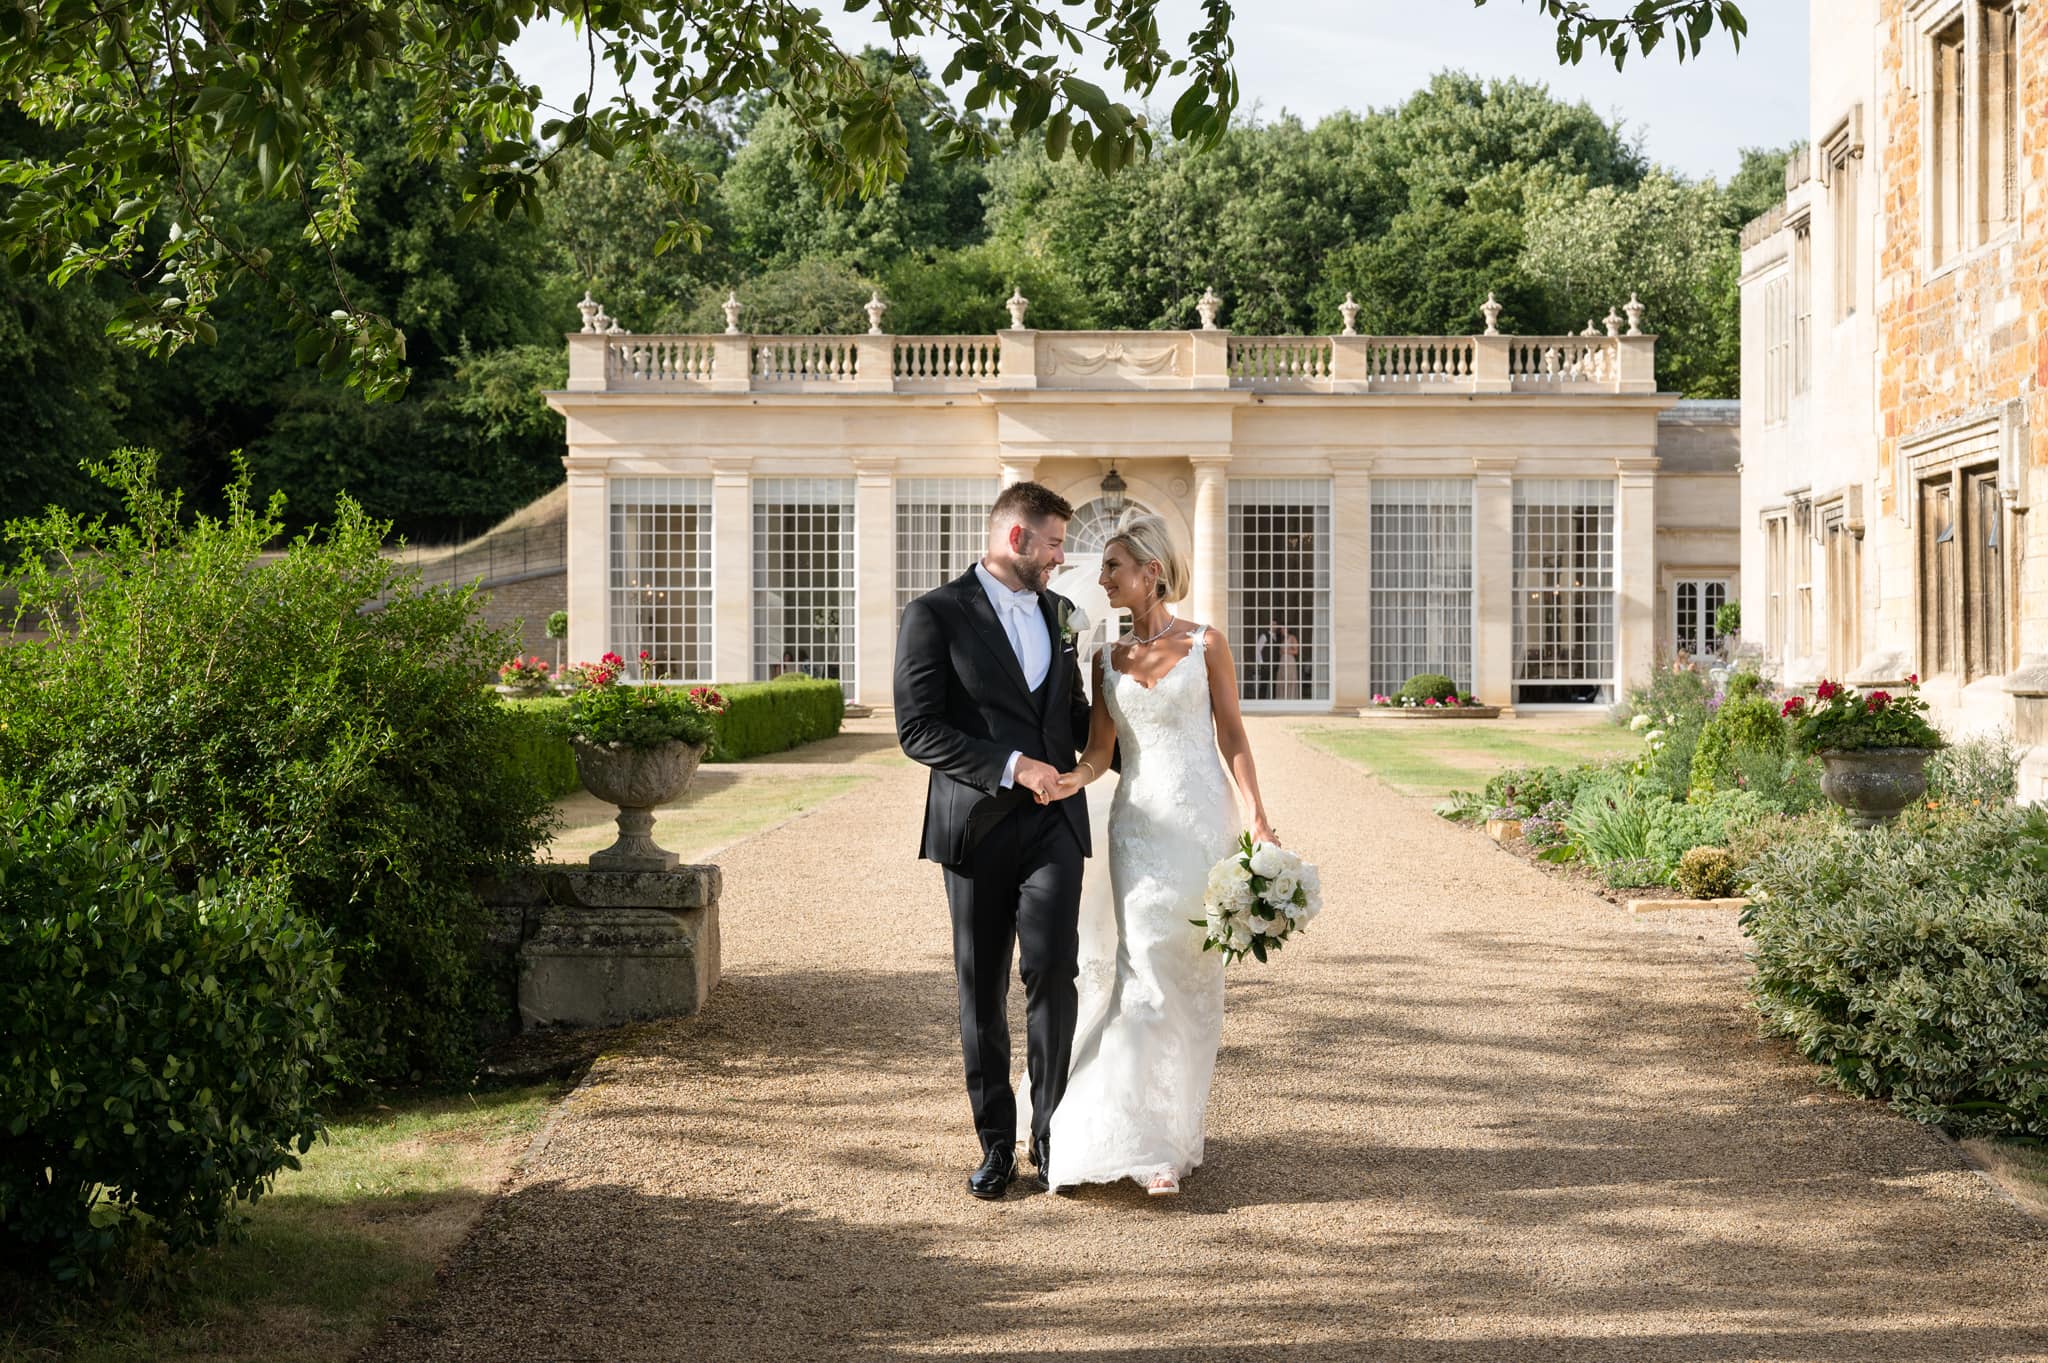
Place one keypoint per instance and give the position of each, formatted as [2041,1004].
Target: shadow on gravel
[609,1275]
[1621,1163]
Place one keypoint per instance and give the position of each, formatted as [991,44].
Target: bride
[1167,693]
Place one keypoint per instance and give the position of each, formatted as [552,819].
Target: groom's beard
[1032,575]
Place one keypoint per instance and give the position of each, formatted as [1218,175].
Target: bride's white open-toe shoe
[1164,1183]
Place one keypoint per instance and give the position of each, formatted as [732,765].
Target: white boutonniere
[1072,621]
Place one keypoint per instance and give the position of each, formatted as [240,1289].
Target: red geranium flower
[1827,690]
[1792,707]
[1880,699]
[1912,679]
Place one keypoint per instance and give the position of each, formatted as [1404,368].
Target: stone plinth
[600,948]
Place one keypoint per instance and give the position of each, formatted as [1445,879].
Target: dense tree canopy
[179,110]
[328,212]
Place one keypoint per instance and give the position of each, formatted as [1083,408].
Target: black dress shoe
[992,1179]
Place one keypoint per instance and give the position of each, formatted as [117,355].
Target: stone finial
[1590,330]
[1206,305]
[590,308]
[601,321]
[1612,321]
[1635,310]
[1018,302]
[1349,307]
[1490,309]
[615,329]
[874,308]
[731,308]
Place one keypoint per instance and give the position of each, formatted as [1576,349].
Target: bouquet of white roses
[1258,897]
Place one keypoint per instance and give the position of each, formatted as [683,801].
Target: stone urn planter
[1873,784]
[637,780]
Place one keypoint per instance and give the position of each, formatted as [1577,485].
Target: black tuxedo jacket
[962,708]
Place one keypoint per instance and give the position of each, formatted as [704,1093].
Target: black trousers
[1018,891]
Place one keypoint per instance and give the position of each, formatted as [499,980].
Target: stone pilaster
[1635,568]
[732,571]
[1351,583]
[588,559]
[1635,572]
[1017,469]
[874,519]
[1211,596]
[1493,580]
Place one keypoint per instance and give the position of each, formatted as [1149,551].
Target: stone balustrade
[735,362]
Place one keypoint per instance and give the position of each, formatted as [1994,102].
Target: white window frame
[844,650]
[645,593]
[1318,670]
[1390,612]
[1533,582]
[1700,584]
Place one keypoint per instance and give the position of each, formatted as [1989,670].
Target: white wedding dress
[1139,1085]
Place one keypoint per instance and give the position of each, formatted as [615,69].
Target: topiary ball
[1707,873]
[1429,686]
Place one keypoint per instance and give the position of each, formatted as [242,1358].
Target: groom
[989,696]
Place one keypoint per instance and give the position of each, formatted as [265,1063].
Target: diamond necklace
[1138,638]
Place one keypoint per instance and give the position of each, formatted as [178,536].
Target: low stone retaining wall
[573,947]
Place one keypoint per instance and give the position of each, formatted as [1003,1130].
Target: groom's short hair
[1029,503]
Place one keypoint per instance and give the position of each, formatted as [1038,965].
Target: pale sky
[1313,57]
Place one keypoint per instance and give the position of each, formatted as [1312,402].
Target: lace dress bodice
[1140,1081]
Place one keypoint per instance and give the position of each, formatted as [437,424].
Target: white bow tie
[1020,603]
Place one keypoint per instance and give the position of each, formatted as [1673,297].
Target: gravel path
[1477,1116]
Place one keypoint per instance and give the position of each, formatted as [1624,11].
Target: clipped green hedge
[760,717]
[164,1044]
[536,749]
[774,716]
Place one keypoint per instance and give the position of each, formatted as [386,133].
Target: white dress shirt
[1029,639]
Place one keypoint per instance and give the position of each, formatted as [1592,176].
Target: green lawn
[329,1254]
[724,804]
[1435,757]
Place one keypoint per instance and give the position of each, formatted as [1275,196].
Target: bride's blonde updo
[1148,540]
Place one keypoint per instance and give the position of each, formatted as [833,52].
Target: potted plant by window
[524,677]
[1873,747]
[637,746]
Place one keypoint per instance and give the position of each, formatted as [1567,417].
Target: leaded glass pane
[1564,591]
[941,528]
[804,607]
[1279,542]
[660,576]
[1421,580]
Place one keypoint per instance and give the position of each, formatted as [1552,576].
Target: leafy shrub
[1741,685]
[1912,962]
[319,710]
[1524,789]
[1461,806]
[536,748]
[1630,873]
[1429,686]
[1675,705]
[1790,783]
[1977,771]
[163,1041]
[1611,822]
[1706,820]
[1706,873]
[1744,726]
[1728,619]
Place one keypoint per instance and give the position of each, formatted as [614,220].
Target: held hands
[1046,783]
